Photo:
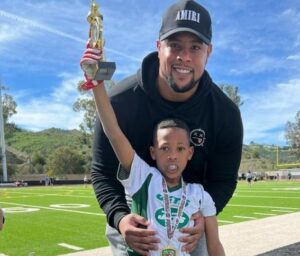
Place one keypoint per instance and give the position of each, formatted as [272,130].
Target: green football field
[64,219]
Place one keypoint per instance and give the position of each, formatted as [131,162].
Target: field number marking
[20,209]
[55,209]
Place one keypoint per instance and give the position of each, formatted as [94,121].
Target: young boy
[160,195]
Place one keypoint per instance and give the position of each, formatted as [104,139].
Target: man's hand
[89,60]
[139,239]
[193,233]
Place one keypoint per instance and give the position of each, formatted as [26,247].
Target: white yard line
[69,246]
[265,214]
[54,209]
[269,197]
[49,194]
[288,211]
[264,206]
[225,221]
[244,217]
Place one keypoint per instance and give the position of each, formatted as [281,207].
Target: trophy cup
[101,70]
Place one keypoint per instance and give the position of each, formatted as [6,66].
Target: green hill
[28,152]
[23,145]
[45,141]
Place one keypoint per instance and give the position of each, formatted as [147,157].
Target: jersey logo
[160,217]
[197,137]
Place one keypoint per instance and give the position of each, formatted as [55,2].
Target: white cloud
[66,92]
[39,115]
[27,22]
[265,113]
[294,57]
[292,15]
[8,34]
[55,110]
[259,64]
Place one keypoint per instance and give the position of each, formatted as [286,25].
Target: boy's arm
[118,140]
[214,245]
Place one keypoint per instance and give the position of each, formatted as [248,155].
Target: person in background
[289,175]
[2,219]
[85,181]
[171,83]
[249,177]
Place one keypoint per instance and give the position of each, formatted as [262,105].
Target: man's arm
[223,165]
[109,191]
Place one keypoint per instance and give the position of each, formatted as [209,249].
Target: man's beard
[182,89]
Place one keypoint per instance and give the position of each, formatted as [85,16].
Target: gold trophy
[100,70]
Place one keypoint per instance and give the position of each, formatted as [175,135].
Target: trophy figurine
[100,70]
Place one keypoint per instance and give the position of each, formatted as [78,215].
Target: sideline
[263,235]
[245,238]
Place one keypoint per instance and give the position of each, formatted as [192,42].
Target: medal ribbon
[171,227]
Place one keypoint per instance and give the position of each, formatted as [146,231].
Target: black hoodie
[216,134]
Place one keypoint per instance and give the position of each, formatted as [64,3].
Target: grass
[261,199]
[40,231]
[71,215]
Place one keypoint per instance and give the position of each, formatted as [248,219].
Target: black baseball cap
[187,16]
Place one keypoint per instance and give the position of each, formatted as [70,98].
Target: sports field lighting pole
[3,154]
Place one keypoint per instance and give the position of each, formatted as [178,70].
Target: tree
[9,107]
[233,93]
[86,105]
[38,162]
[65,160]
[292,133]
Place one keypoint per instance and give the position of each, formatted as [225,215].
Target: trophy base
[105,70]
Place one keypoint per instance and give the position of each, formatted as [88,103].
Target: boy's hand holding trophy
[94,68]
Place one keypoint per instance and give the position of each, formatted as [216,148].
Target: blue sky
[256,46]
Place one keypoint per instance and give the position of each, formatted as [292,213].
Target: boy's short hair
[170,123]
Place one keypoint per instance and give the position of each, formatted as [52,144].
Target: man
[172,82]
[249,177]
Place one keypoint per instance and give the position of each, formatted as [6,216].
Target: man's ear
[191,152]
[158,44]
[152,153]
[209,51]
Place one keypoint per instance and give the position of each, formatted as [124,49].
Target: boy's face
[171,151]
